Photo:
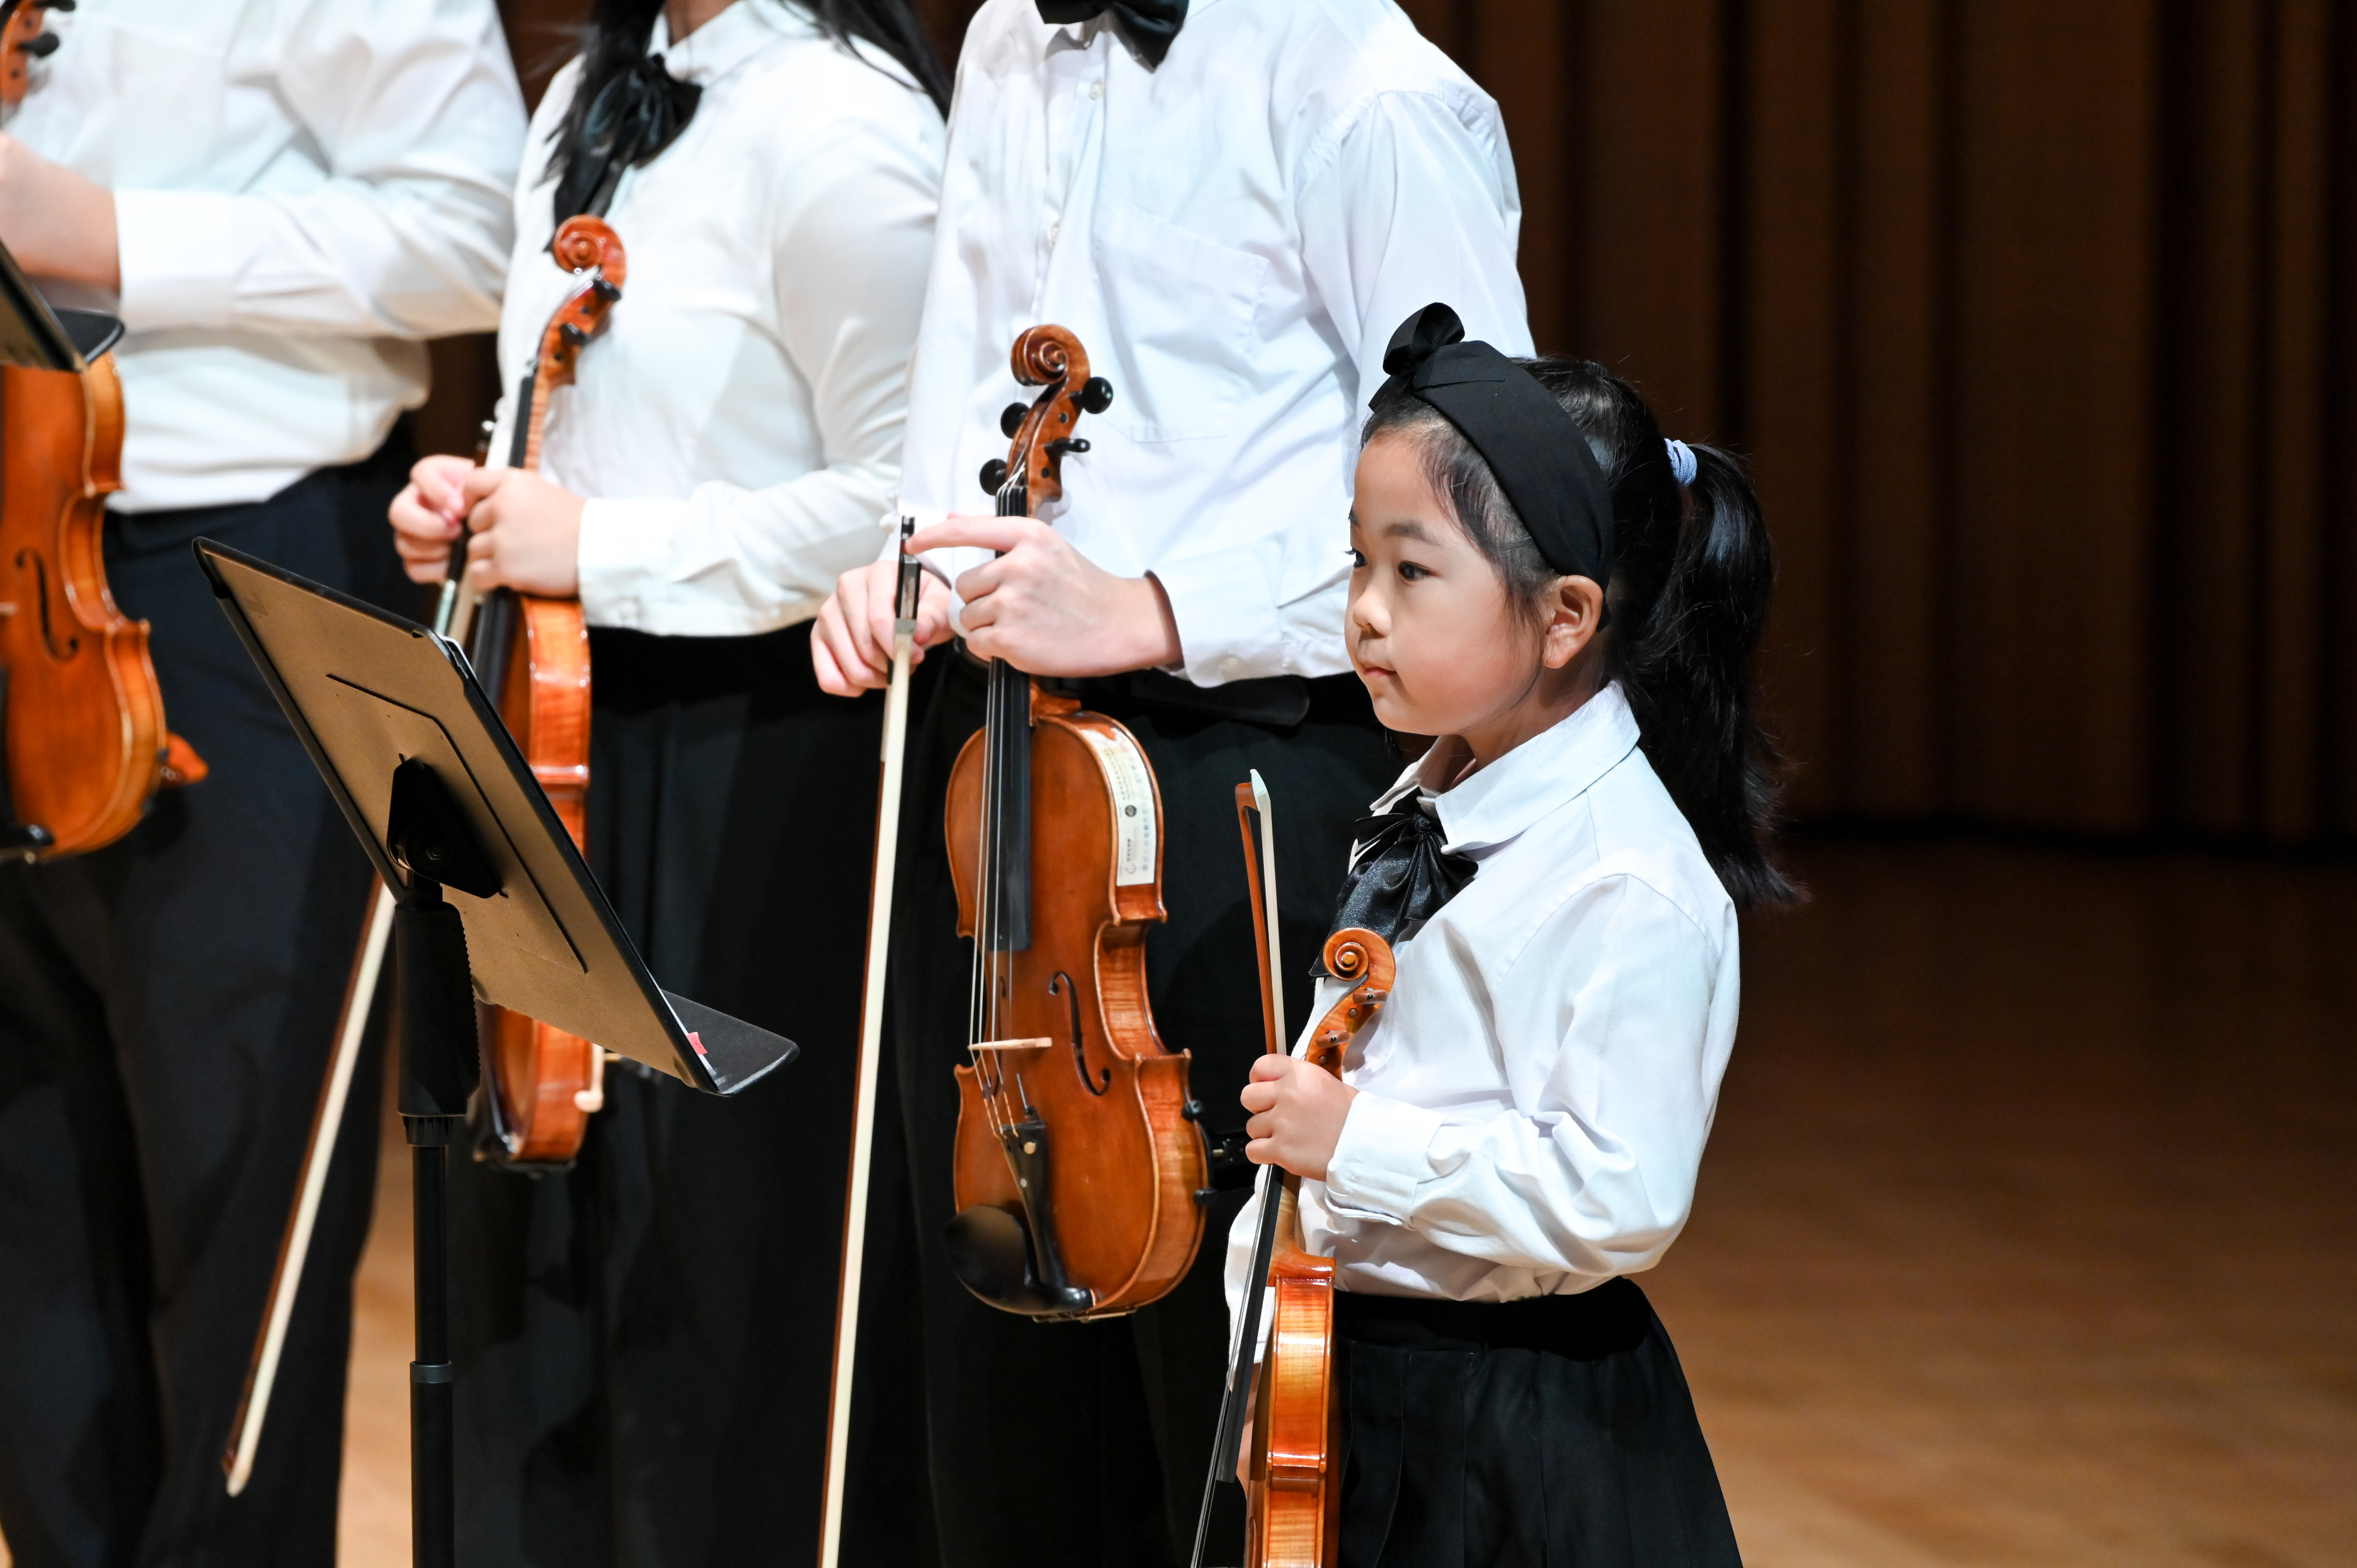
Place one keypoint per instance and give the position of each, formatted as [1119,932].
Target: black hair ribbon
[635,115]
[1148,25]
[1402,875]
[1541,458]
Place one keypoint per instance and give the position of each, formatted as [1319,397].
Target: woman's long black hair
[1691,573]
[626,108]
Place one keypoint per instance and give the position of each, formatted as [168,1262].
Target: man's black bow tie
[1402,876]
[1148,25]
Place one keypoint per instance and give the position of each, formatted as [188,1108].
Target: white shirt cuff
[622,544]
[178,253]
[1227,629]
[1383,1156]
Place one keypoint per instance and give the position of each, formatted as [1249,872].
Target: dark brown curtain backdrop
[2035,321]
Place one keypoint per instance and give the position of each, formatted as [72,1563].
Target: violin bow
[451,614]
[871,1049]
[1260,875]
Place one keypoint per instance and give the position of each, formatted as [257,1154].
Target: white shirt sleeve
[1597,1177]
[414,107]
[1404,171]
[854,238]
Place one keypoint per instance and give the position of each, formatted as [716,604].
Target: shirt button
[1054,230]
[1096,88]
[1231,664]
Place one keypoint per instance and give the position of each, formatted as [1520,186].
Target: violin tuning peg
[55,4]
[572,334]
[1096,395]
[606,291]
[1010,418]
[41,46]
[1073,447]
[994,474]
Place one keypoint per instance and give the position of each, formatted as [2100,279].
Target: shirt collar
[1551,767]
[727,40]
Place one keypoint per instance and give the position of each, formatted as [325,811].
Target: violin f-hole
[41,591]
[1062,985]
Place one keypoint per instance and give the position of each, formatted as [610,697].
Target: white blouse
[303,190]
[1234,236]
[1535,1097]
[738,423]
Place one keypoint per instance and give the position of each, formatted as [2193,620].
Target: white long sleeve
[1232,235]
[1534,1099]
[304,188]
[738,424]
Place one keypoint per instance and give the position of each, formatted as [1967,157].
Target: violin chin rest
[990,1248]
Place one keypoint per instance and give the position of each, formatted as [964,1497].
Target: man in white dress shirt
[1232,204]
[281,198]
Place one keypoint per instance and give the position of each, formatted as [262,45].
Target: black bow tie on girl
[634,117]
[1402,875]
[1148,25]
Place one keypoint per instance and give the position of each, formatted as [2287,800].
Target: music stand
[493,903]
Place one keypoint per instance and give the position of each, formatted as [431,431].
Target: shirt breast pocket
[1182,311]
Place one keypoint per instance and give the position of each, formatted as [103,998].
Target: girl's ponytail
[1691,572]
[1685,661]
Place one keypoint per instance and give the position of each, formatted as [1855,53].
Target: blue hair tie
[1682,461]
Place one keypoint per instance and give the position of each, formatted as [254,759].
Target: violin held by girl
[1569,605]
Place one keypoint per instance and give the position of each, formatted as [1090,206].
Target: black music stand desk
[493,903]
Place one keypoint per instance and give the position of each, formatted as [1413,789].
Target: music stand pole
[437,1057]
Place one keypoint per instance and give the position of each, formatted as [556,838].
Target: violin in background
[1079,1166]
[532,654]
[81,717]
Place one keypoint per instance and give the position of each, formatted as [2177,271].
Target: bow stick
[1260,875]
[871,1049]
[452,615]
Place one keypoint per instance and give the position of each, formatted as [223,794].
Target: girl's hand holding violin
[1298,1111]
[526,531]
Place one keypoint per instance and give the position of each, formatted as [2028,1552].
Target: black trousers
[1554,1433]
[166,1006]
[1113,1421]
[644,1339]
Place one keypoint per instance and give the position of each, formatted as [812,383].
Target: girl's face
[1431,630]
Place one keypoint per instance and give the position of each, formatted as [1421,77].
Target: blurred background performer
[1232,206]
[644,1340]
[283,197]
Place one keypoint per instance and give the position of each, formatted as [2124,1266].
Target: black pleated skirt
[644,1339]
[1556,1432]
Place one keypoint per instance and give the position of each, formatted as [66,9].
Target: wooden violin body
[84,736]
[1294,1491]
[533,653]
[1081,1101]
[1079,1161]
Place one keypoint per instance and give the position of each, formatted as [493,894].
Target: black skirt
[1556,1432]
[645,1339]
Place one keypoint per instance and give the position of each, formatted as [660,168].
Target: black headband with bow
[1540,457]
[1148,25]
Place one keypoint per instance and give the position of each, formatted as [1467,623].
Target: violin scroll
[1363,960]
[22,41]
[1049,358]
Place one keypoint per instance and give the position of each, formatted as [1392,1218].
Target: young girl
[644,1336]
[1569,605]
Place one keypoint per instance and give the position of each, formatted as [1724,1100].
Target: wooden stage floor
[2027,1234]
